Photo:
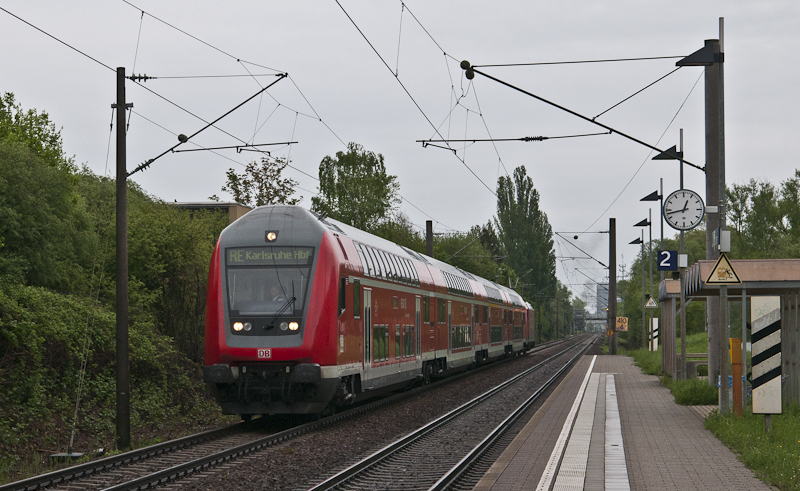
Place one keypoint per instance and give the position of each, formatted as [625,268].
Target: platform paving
[637,437]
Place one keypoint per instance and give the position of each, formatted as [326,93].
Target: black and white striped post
[766,339]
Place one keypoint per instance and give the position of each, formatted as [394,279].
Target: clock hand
[686,206]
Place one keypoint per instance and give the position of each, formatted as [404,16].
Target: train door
[450,326]
[367,331]
[418,327]
[472,331]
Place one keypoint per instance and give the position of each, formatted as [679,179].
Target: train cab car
[271,313]
[305,313]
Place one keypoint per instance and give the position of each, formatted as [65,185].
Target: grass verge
[774,456]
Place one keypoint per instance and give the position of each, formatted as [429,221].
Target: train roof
[493,291]
[457,280]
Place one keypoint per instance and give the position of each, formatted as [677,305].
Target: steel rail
[455,473]
[352,471]
[101,465]
[118,461]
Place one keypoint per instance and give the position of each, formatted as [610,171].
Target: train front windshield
[264,280]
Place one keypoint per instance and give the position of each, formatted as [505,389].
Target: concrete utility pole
[612,283]
[711,56]
[715,189]
[123,367]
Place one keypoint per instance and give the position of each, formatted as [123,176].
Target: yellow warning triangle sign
[651,303]
[723,273]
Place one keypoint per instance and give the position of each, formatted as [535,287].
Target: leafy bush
[648,361]
[692,392]
[42,337]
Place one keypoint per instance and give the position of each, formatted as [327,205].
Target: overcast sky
[386,74]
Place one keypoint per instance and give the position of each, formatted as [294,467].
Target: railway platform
[608,426]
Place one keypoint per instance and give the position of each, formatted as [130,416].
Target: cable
[242,62]
[399,37]
[496,151]
[570,111]
[60,41]
[637,92]
[190,35]
[409,94]
[108,148]
[576,247]
[648,155]
[315,112]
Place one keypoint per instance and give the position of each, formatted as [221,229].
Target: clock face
[684,209]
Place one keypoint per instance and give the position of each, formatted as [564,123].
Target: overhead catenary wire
[409,94]
[316,115]
[522,139]
[60,41]
[280,74]
[147,163]
[647,158]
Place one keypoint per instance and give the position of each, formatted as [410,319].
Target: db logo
[265,353]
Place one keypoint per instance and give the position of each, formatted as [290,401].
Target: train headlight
[247,326]
[294,326]
[284,326]
[238,326]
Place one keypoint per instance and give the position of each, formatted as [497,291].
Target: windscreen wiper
[285,306]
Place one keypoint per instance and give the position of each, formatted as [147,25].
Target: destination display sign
[269,256]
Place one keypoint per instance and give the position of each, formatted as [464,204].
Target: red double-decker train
[305,314]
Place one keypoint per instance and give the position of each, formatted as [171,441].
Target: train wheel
[426,373]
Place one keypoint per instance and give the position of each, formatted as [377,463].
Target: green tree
[526,234]
[466,251]
[400,230]
[262,184]
[355,188]
[34,131]
[44,229]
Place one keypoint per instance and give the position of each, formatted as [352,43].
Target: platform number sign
[668,260]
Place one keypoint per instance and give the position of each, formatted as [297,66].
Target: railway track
[440,454]
[171,461]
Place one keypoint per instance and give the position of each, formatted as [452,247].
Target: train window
[395,267]
[414,276]
[357,299]
[388,258]
[265,290]
[366,260]
[377,272]
[385,342]
[387,269]
[379,262]
[387,265]
[409,274]
[361,256]
[342,284]
[394,302]
[398,340]
[404,273]
[441,308]
[426,310]
[380,334]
